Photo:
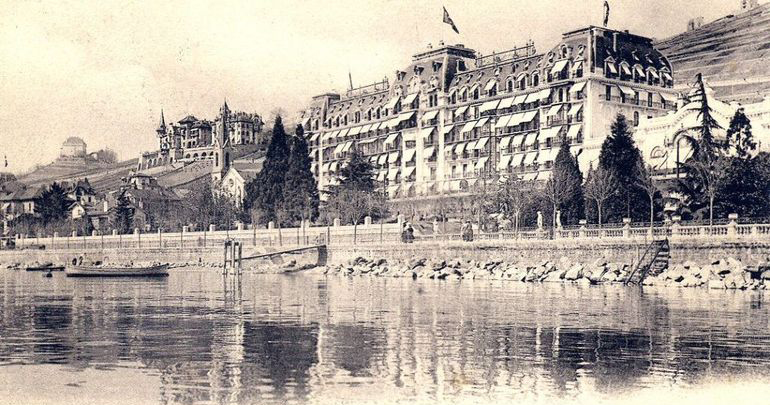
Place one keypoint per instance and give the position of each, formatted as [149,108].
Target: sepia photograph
[384,202]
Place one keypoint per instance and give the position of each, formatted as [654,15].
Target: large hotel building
[453,118]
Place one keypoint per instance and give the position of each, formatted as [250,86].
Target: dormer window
[436,66]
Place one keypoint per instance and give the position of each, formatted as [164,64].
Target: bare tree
[557,189]
[647,182]
[600,186]
[513,197]
[712,173]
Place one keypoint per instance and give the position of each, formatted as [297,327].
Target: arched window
[535,80]
[523,82]
[636,118]
[509,85]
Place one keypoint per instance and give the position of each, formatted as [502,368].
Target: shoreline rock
[728,273]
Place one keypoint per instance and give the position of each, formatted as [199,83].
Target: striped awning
[505,160]
[502,122]
[481,162]
[577,87]
[480,123]
[489,106]
[574,130]
[505,141]
[468,127]
[481,143]
[505,103]
[430,115]
[559,66]
[409,155]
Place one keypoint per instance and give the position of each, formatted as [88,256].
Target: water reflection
[279,339]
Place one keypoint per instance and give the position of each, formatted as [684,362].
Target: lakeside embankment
[692,262]
[726,273]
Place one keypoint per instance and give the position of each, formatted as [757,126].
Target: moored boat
[45,268]
[160,270]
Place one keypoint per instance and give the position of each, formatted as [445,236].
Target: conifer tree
[746,186]
[739,135]
[53,203]
[573,206]
[122,215]
[265,193]
[302,202]
[620,157]
[356,194]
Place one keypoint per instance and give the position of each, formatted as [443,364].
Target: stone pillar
[212,228]
[626,228]
[239,226]
[732,226]
[367,220]
[185,229]
[94,233]
[582,229]
[336,222]
[675,232]
[74,234]
[271,225]
[56,234]
[114,232]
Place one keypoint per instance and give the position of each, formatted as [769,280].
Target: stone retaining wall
[701,252]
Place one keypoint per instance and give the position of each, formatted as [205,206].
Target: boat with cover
[78,269]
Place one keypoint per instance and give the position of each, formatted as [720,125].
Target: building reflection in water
[285,338]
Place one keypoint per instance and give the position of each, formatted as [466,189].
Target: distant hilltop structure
[73,148]
[192,139]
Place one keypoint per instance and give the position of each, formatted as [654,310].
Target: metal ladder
[655,260]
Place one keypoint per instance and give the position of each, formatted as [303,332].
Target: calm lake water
[198,338]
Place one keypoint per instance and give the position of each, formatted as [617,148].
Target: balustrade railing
[388,233]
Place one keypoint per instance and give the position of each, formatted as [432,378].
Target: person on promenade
[470,232]
[409,233]
[404,232]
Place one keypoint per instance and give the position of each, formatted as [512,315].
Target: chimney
[614,42]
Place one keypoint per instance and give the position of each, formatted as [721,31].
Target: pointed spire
[162,125]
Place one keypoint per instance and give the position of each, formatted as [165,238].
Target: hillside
[731,53]
[103,177]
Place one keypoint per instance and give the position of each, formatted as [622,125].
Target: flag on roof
[606,13]
[448,20]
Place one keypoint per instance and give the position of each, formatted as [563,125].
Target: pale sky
[102,70]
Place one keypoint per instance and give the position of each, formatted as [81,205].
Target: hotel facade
[453,117]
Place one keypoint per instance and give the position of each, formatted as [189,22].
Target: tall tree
[53,203]
[356,194]
[739,135]
[513,196]
[647,182]
[357,173]
[122,215]
[302,203]
[561,187]
[573,207]
[705,146]
[600,186]
[620,156]
[707,152]
[265,193]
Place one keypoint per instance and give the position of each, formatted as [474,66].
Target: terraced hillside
[732,53]
[103,178]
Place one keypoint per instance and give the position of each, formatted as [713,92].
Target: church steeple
[162,125]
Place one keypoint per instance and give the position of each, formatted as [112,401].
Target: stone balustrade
[374,233]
